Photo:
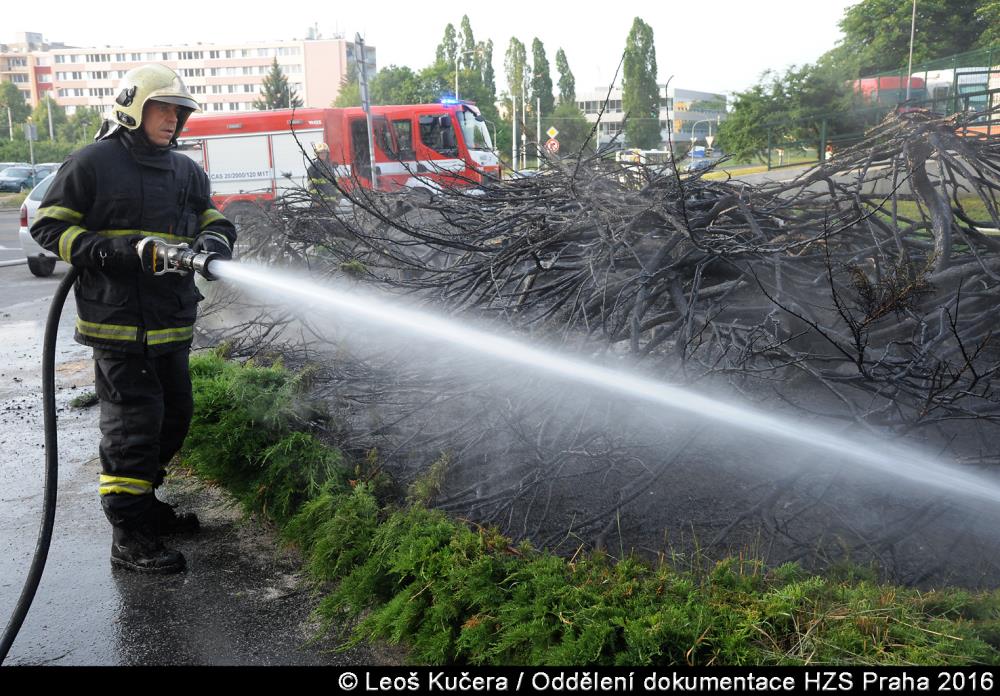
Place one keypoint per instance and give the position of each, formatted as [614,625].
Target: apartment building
[222,77]
[23,62]
[685,114]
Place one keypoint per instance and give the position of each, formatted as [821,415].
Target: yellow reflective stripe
[57,212]
[66,240]
[184,333]
[145,233]
[208,217]
[111,332]
[121,484]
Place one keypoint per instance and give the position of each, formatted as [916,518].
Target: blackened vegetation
[862,295]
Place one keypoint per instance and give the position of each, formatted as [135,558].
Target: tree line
[67,132]
[529,90]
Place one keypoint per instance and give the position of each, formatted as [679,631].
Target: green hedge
[455,594]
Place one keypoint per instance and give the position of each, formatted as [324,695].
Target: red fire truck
[254,157]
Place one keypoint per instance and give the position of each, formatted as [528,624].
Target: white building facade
[222,77]
[684,114]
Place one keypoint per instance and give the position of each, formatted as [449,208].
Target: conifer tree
[276,92]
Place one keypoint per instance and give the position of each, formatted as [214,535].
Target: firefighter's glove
[117,255]
[213,244]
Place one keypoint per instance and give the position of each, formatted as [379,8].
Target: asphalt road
[243,599]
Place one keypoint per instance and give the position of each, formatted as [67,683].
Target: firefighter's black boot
[169,521]
[137,547]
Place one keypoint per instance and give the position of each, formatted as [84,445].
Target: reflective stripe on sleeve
[121,484]
[57,212]
[107,332]
[216,235]
[145,233]
[160,336]
[66,240]
[208,217]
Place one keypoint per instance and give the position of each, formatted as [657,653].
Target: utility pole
[538,129]
[909,67]
[513,140]
[366,104]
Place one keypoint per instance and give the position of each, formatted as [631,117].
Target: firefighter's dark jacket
[123,187]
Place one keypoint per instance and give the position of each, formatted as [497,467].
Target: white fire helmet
[152,81]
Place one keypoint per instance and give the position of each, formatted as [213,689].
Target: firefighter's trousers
[146,407]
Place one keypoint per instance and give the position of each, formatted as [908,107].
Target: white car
[41,262]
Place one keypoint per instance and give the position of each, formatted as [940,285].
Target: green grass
[459,594]
[85,400]
[973,206]
[12,200]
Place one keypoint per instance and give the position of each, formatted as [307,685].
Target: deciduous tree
[640,93]
[40,115]
[541,79]
[567,83]
[12,98]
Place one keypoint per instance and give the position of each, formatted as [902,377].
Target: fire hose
[157,258]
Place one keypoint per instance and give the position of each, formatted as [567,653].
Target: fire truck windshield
[474,130]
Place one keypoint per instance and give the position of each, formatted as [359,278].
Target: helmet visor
[186,102]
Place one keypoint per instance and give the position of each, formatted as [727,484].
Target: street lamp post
[695,125]
[909,66]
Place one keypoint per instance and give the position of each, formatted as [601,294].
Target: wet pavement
[242,600]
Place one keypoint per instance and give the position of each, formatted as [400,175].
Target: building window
[60,59]
[120,58]
[196,89]
[213,54]
[135,57]
[98,75]
[98,57]
[45,77]
[217,106]
[191,55]
[216,89]
[248,88]
[18,78]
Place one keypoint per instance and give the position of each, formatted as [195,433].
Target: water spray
[887,458]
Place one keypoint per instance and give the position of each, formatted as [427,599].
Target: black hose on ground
[51,464]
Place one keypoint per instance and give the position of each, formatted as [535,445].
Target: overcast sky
[716,46]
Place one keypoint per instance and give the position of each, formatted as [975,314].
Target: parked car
[18,179]
[696,165]
[45,168]
[41,262]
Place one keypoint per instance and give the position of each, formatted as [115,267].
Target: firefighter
[321,175]
[128,185]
